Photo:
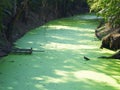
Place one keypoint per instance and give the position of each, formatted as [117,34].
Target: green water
[61,66]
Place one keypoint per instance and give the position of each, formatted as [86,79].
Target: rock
[111,41]
[86,58]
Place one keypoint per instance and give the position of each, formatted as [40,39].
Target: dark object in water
[21,51]
[86,58]
[24,51]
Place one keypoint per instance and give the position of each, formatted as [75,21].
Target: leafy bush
[108,9]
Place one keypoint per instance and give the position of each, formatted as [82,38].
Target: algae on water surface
[62,66]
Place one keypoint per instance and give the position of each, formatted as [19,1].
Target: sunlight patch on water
[57,27]
[107,50]
[87,76]
[99,77]
[60,38]
[87,17]
[54,80]
[60,46]
[40,87]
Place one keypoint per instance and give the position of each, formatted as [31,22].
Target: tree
[108,9]
[18,9]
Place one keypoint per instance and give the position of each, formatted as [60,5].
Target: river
[61,66]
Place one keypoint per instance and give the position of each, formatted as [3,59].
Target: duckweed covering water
[62,66]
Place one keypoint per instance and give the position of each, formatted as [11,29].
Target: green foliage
[4,5]
[109,9]
[46,9]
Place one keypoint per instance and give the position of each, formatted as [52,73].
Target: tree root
[114,56]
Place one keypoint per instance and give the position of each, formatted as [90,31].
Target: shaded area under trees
[19,16]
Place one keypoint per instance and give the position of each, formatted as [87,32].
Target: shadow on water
[61,66]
